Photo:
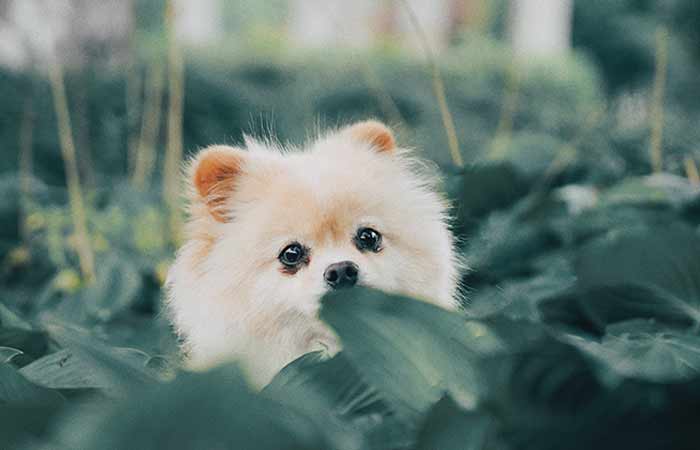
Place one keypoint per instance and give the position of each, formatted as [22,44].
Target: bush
[580,319]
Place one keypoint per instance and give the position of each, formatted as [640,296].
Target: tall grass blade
[438,87]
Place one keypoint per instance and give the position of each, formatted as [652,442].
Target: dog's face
[272,231]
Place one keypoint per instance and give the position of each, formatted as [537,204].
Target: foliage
[579,327]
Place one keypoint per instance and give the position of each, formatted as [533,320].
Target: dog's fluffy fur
[228,295]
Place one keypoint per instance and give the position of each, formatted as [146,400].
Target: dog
[272,229]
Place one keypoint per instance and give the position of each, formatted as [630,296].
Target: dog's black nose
[342,274]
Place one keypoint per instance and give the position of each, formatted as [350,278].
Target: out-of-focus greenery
[580,320]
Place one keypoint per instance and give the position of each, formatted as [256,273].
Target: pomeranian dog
[271,230]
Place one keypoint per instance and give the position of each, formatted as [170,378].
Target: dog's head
[273,230]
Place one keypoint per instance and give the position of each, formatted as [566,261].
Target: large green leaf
[26,409]
[114,370]
[663,259]
[63,370]
[648,273]
[334,382]
[482,188]
[593,309]
[196,411]
[410,351]
[518,298]
[332,393]
[15,388]
[503,246]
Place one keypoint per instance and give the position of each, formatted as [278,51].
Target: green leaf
[113,369]
[595,222]
[541,375]
[665,258]
[23,424]
[26,409]
[646,350]
[334,382]
[15,388]
[7,354]
[196,411]
[430,350]
[31,342]
[10,319]
[658,189]
[518,298]
[115,289]
[448,427]
[482,188]
[593,309]
[63,370]
[662,260]
[504,246]
[332,393]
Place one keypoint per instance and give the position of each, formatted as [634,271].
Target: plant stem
[26,159]
[75,195]
[173,151]
[508,109]
[150,125]
[657,106]
[691,170]
[134,82]
[438,88]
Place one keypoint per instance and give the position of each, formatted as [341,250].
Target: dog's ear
[213,176]
[375,133]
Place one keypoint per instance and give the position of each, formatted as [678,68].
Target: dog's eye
[368,239]
[292,254]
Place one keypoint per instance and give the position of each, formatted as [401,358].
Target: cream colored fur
[227,295]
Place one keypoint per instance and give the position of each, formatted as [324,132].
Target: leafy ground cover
[579,326]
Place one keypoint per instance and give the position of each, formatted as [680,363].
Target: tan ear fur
[214,174]
[375,133]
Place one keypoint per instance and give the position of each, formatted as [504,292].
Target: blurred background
[102,101]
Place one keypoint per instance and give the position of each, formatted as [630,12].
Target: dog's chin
[322,340]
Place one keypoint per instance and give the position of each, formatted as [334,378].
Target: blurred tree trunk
[328,23]
[540,27]
[70,30]
[198,23]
